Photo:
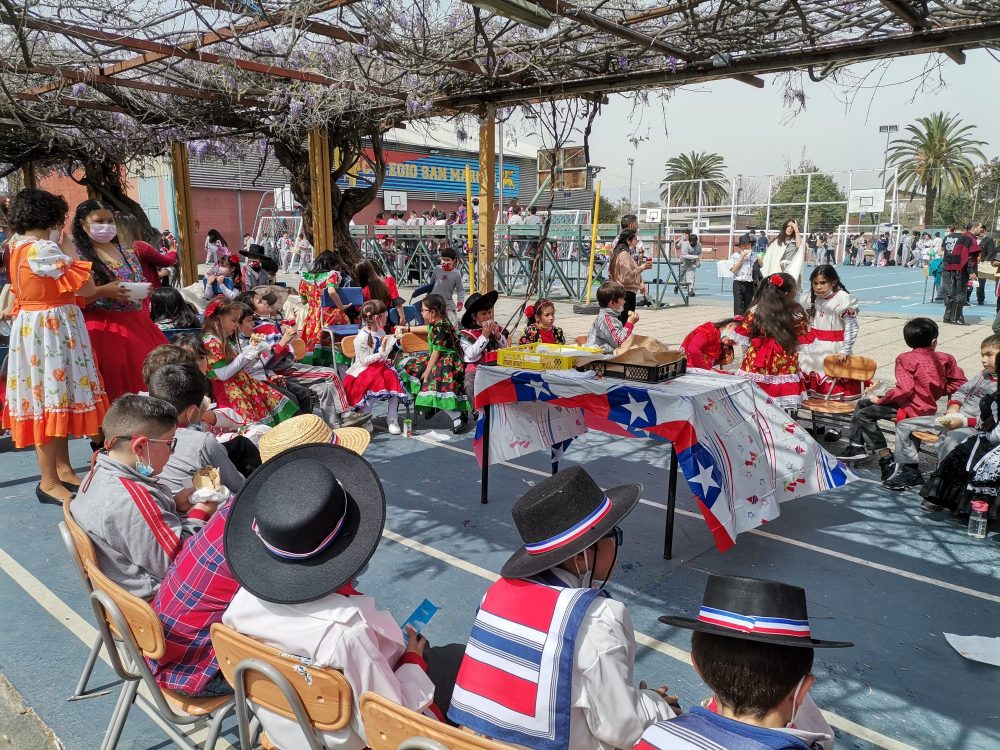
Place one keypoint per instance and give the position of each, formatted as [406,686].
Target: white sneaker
[395,429]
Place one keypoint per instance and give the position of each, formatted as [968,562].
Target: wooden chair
[317,698]
[856,368]
[80,548]
[347,346]
[131,629]
[389,726]
[412,343]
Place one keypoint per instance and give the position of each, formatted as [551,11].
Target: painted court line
[784,539]
[859,731]
[84,631]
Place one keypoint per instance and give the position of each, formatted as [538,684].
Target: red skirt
[121,341]
[376,381]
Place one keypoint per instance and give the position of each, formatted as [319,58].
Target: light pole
[631,164]
[888,130]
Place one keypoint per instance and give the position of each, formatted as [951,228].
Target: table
[741,454]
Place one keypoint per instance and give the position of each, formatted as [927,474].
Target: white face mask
[102,232]
[795,707]
[55,235]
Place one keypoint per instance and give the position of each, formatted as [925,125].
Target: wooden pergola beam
[910,15]
[568,10]
[922,42]
[205,40]
[69,101]
[654,13]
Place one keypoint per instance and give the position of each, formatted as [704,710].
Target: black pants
[955,287]
[243,453]
[629,306]
[864,424]
[297,393]
[980,292]
[742,295]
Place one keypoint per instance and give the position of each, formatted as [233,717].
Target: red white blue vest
[516,680]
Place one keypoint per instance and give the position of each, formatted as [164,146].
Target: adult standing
[121,332]
[742,262]
[691,251]
[54,391]
[215,247]
[987,254]
[787,253]
[961,262]
[623,269]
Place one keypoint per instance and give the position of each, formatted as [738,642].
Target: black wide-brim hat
[475,303]
[254,251]
[565,514]
[275,493]
[754,609]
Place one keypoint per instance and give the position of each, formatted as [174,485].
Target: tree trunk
[930,196]
[106,182]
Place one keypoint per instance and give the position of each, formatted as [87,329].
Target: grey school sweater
[448,284]
[196,450]
[134,524]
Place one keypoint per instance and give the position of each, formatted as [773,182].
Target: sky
[756,134]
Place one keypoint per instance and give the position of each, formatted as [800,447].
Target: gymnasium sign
[432,173]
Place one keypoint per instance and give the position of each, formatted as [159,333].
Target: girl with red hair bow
[541,326]
[774,331]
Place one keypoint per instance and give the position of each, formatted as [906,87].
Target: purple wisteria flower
[79,89]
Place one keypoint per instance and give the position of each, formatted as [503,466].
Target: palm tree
[702,165]
[936,157]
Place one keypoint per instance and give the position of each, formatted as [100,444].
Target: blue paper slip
[420,617]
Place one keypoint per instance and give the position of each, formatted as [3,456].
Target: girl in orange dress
[322,277]
[774,331]
[53,390]
[232,385]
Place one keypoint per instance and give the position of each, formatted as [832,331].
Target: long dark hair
[324,262]
[436,304]
[626,236]
[782,235]
[367,275]
[215,236]
[166,303]
[778,314]
[829,273]
[85,245]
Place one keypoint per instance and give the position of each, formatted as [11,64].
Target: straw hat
[307,429]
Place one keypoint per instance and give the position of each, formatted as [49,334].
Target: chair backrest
[393,316]
[83,547]
[388,725]
[855,368]
[411,313]
[324,692]
[413,342]
[347,346]
[139,615]
[351,295]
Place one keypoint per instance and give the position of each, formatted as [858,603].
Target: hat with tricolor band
[755,610]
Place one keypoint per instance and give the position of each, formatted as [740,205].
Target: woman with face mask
[121,332]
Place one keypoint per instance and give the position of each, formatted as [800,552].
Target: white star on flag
[540,388]
[704,478]
[636,409]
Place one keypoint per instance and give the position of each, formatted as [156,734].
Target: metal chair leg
[88,668]
[122,708]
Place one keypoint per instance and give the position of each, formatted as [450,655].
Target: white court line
[859,731]
[786,540]
[83,630]
[886,286]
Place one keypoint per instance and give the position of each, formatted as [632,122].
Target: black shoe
[70,486]
[832,436]
[854,452]
[887,467]
[904,480]
[46,498]
[459,425]
[980,303]
[928,507]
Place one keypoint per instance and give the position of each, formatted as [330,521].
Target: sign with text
[431,173]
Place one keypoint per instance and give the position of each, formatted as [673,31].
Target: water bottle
[408,428]
[977,519]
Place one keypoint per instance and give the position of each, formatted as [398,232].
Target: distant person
[961,262]
[987,254]
[786,253]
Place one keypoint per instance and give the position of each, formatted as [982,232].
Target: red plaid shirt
[195,593]
[922,377]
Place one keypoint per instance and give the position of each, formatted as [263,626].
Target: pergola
[141,77]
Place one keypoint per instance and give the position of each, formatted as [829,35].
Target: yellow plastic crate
[526,357]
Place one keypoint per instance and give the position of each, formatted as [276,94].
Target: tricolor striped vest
[516,680]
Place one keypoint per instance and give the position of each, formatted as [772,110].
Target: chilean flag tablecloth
[740,453]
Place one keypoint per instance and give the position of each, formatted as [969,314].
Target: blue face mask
[144,469]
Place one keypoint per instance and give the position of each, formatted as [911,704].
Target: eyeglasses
[172,443]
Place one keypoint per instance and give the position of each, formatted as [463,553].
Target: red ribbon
[776,280]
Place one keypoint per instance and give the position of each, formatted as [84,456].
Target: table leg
[485,477]
[668,535]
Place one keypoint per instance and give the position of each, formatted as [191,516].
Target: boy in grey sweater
[136,525]
[607,331]
[447,281]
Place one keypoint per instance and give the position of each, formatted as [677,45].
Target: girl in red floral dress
[541,327]
[322,277]
[774,331]
[232,385]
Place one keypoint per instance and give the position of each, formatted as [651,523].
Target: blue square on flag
[701,472]
[631,407]
[531,387]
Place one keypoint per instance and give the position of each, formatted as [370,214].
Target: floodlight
[522,11]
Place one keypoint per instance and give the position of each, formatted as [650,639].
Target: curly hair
[85,245]
[778,314]
[36,209]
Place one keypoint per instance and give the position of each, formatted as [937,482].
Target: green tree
[793,188]
[936,157]
[607,212]
[702,165]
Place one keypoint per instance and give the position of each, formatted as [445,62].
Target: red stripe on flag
[723,539]
[498,686]
[680,433]
[151,513]
[503,392]
[526,603]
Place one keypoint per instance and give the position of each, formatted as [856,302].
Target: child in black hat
[516,683]
[481,337]
[753,647]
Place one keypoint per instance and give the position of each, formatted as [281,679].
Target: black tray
[641,373]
